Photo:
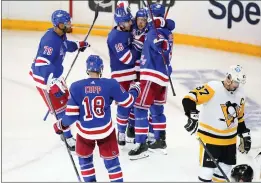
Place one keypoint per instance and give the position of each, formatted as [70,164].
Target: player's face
[233,85]
[66,26]
[141,22]
[127,25]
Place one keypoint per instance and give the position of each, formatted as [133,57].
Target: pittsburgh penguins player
[219,122]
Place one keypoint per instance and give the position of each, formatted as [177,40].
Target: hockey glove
[192,123]
[56,86]
[58,127]
[245,141]
[161,44]
[135,86]
[82,45]
[170,24]
[159,22]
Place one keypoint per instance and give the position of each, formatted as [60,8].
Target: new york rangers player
[89,107]
[122,62]
[47,68]
[154,81]
[140,28]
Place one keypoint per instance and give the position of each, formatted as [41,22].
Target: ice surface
[31,151]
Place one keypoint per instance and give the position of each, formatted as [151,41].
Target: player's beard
[68,30]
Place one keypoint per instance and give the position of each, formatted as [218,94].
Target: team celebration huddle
[140,50]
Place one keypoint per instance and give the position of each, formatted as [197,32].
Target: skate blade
[130,140]
[140,156]
[159,151]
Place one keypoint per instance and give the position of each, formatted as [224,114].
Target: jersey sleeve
[201,94]
[122,97]
[151,36]
[197,96]
[122,50]
[71,46]
[72,111]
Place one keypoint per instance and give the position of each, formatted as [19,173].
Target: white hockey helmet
[236,73]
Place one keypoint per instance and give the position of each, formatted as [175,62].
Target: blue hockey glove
[170,24]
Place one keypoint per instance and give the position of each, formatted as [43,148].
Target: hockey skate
[130,134]
[121,140]
[159,146]
[151,138]
[139,152]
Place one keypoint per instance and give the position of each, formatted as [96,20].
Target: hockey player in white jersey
[220,120]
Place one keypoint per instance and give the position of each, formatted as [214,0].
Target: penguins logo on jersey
[230,111]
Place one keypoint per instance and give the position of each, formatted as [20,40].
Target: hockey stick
[66,144]
[163,57]
[213,159]
[94,20]
[167,12]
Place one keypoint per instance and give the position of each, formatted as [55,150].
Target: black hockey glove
[245,141]
[192,124]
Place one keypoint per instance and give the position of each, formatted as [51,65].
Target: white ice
[31,150]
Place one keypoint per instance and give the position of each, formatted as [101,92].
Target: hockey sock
[158,120]
[67,133]
[114,169]
[122,118]
[141,125]
[87,169]
[150,124]
[132,118]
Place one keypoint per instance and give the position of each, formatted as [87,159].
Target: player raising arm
[47,68]
[89,107]
[154,81]
[221,120]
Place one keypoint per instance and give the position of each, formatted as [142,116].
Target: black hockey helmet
[242,172]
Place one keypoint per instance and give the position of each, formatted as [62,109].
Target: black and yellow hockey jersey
[221,114]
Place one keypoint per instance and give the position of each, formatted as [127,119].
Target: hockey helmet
[158,10]
[61,16]
[121,15]
[243,173]
[142,13]
[124,4]
[237,74]
[94,64]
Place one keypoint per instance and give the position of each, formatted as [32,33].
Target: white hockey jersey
[221,112]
